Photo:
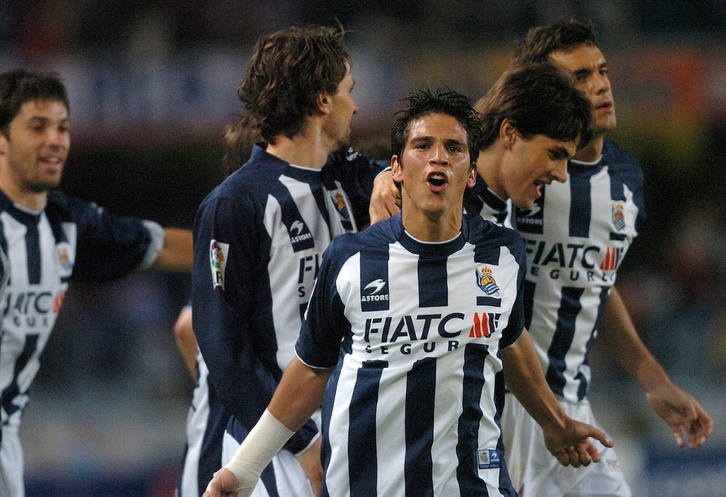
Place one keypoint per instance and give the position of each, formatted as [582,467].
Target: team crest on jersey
[218,262]
[340,205]
[488,458]
[618,216]
[63,250]
[486,281]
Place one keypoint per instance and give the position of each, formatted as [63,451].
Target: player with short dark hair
[533,121]
[48,239]
[577,234]
[409,326]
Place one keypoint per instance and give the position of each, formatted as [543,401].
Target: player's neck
[308,148]
[431,228]
[33,201]
[592,151]
[489,165]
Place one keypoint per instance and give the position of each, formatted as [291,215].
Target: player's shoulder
[621,164]
[615,155]
[380,234]
[248,185]
[68,207]
[478,231]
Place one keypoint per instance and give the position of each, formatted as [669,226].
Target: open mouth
[437,181]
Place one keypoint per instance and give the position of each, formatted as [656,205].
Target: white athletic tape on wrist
[257,450]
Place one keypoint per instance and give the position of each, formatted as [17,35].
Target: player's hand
[384,198]
[682,413]
[225,484]
[572,446]
[310,462]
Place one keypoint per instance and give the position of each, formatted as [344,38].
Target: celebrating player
[48,238]
[533,121]
[260,235]
[416,316]
[577,234]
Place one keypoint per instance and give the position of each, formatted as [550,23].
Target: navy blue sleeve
[109,247]
[230,257]
[516,319]
[356,174]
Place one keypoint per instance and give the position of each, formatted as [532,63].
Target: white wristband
[257,450]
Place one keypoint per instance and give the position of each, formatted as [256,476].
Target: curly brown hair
[287,72]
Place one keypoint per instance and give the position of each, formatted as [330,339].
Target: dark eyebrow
[582,72]
[559,152]
[453,141]
[43,120]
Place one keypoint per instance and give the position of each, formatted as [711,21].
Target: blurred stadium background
[152,82]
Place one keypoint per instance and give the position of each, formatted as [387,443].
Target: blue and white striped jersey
[576,237]
[206,420]
[479,199]
[258,241]
[415,330]
[67,240]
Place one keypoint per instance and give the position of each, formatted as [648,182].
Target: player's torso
[300,218]
[41,262]
[576,237]
[420,369]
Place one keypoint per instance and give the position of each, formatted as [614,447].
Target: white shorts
[11,464]
[535,472]
[289,478]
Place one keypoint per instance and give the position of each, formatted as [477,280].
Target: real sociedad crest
[618,216]
[486,281]
[64,256]
[340,205]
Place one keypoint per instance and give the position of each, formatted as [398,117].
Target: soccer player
[409,326]
[260,235]
[48,239]
[533,122]
[576,235]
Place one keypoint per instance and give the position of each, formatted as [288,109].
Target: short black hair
[442,101]
[540,42]
[22,85]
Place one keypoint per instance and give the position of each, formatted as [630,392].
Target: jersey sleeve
[229,259]
[356,173]
[325,325]
[109,246]
[515,325]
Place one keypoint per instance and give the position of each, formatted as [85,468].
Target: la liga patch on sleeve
[218,261]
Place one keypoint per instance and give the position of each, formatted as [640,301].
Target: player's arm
[223,291]
[676,407]
[186,342]
[567,439]
[298,395]
[176,254]
[384,198]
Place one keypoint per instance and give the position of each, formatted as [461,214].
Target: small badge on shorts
[488,458]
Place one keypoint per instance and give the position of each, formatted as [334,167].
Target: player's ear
[3,144]
[471,178]
[395,169]
[322,102]
[507,133]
